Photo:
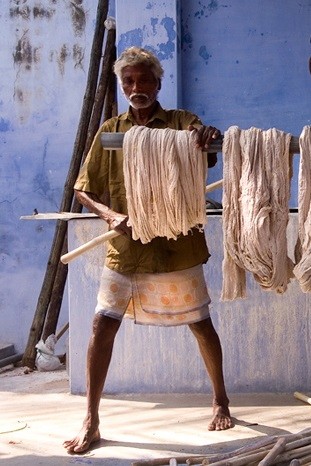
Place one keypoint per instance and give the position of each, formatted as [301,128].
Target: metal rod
[114,141]
[11,359]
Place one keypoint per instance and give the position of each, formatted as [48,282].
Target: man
[100,188]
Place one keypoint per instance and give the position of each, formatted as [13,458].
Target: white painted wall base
[265,338]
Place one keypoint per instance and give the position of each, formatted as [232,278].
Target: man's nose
[137,86]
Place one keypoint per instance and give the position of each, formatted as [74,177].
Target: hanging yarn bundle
[255,210]
[302,270]
[165,176]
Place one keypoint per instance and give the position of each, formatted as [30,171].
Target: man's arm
[115,220]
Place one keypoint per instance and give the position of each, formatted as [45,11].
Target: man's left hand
[205,135]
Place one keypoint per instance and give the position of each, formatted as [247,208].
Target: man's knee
[203,328]
[105,327]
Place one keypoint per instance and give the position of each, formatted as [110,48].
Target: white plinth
[265,338]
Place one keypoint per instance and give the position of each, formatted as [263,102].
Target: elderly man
[100,188]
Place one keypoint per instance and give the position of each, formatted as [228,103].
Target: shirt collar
[159,114]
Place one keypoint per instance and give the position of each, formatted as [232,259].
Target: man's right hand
[118,222]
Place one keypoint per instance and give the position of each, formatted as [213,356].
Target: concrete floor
[38,413]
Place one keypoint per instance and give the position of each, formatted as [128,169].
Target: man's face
[139,86]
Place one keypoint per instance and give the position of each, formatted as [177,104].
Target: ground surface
[38,413]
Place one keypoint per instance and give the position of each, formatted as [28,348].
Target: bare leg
[210,350]
[98,360]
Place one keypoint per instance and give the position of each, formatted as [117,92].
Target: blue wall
[243,63]
[246,63]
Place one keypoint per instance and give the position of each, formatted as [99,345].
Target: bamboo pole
[61,227]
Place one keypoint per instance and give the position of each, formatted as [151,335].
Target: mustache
[136,94]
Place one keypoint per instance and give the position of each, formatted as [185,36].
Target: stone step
[6,350]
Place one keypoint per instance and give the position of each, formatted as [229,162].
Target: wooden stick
[305,460]
[62,331]
[302,397]
[89,245]
[295,463]
[294,454]
[298,443]
[242,460]
[212,186]
[160,461]
[294,440]
[255,446]
[276,450]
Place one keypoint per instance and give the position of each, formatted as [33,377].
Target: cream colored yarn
[256,192]
[302,270]
[165,176]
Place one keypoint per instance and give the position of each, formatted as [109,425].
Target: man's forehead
[141,69]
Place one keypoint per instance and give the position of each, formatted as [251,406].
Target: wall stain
[206,10]
[23,52]
[41,12]
[78,16]
[41,183]
[133,37]
[5,125]
[167,48]
[61,58]
[204,53]
[164,50]
[20,11]
[24,11]
[154,22]
[78,56]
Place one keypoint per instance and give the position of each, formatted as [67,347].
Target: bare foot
[221,419]
[82,441]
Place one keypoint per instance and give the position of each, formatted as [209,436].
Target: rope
[164,175]
[255,210]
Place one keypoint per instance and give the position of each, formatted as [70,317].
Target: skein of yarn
[165,177]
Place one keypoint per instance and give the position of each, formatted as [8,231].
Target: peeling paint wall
[44,54]
[231,62]
[246,63]
[156,28]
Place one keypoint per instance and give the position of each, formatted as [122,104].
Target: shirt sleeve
[93,176]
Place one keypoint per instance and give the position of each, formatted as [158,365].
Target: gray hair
[136,56]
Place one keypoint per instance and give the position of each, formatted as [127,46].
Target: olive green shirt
[102,174]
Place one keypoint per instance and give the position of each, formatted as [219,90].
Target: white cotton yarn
[256,191]
[302,270]
[165,177]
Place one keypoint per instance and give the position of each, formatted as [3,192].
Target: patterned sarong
[165,299]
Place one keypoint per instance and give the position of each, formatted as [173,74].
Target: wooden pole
[114,141]
[61,227]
